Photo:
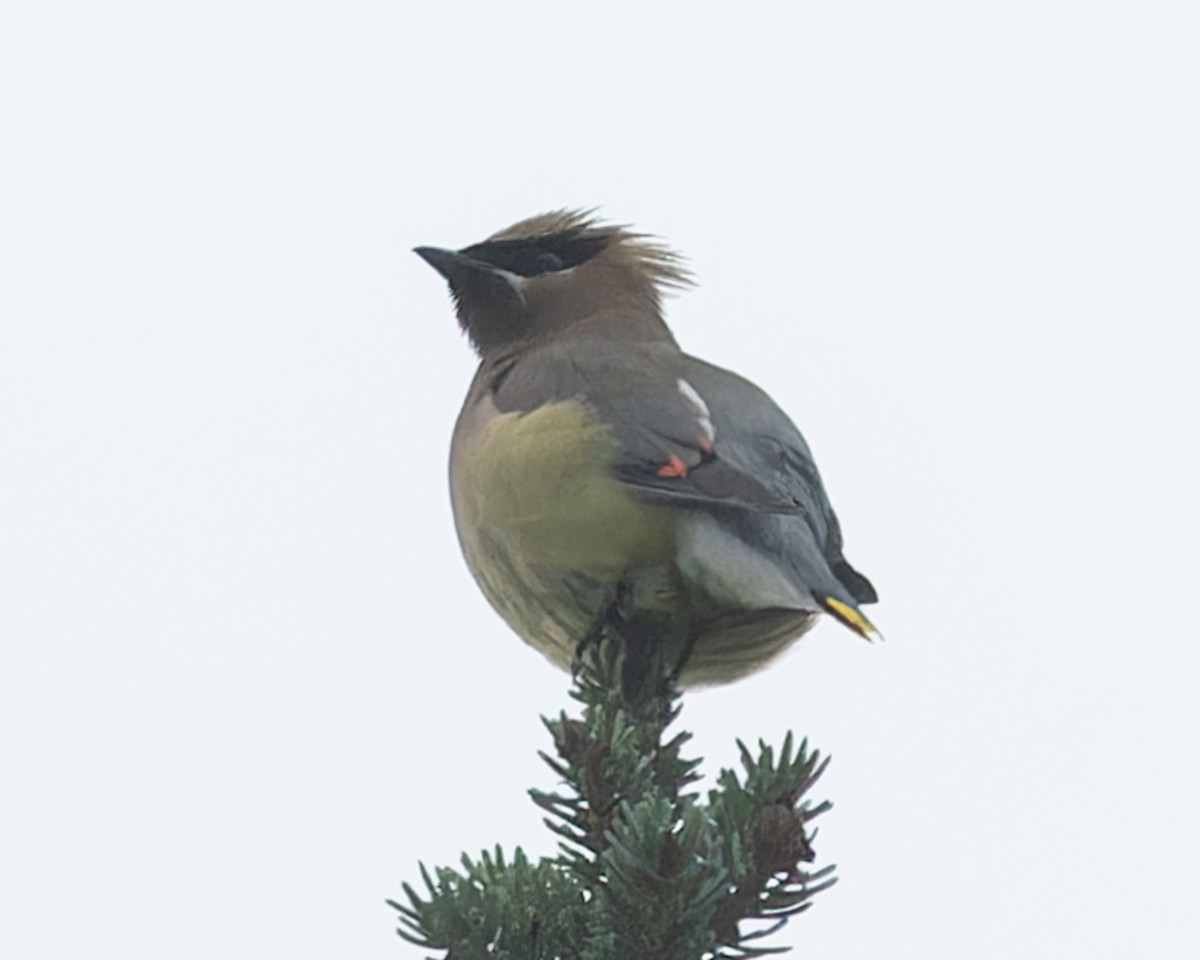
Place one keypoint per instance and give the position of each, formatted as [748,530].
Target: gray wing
[756,437]
[695,436]
[636,389]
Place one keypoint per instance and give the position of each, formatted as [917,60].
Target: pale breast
[547,529]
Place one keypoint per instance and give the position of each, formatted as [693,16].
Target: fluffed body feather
[593,458]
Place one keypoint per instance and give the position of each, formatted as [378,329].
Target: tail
[851,617]
[859,586]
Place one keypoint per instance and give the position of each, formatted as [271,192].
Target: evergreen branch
[645,870]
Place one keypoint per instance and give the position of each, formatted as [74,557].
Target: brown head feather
[658,263]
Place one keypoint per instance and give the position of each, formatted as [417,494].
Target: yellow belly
[548,530]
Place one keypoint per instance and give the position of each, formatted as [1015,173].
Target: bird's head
[556,271]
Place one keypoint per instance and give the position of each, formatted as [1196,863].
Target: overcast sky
[246,682]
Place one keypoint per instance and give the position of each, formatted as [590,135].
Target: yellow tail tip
[851,618]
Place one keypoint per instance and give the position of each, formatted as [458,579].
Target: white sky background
[246,681]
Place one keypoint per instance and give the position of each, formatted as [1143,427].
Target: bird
[601,477]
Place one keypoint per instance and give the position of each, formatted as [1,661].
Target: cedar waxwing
[601,476]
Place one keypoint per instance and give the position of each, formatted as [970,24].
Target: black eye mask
[538,255]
